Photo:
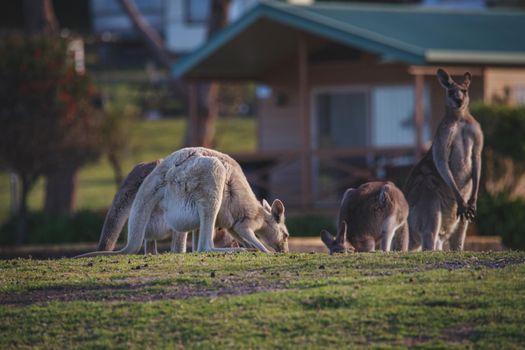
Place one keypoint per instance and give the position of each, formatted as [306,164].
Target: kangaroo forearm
[476,174]
[446,175]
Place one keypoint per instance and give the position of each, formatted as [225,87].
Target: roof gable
[412,35]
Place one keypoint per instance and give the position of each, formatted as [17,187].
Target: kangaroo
[442,189]
[375,211]
[157,227]
[119,212]
[200,189]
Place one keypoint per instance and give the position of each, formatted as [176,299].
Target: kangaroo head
[457,94]
[274,232]
[339,243]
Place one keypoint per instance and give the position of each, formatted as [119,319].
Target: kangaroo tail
[147,197]
[119,211]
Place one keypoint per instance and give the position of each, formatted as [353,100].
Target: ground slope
[252,300]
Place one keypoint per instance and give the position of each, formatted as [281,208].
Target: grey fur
[200,189]
[442,188]
[119,213]
[121,205]
[375,212]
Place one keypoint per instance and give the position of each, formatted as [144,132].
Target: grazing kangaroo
[119,212]
[157,227]
[201,189]
[375,211]
[442,189]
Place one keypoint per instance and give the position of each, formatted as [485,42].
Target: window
[341,119]
[519,95]
[196,11]
[393,116]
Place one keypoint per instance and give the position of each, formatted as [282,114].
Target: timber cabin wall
[280,122]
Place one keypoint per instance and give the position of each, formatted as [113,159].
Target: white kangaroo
[157,227]
[201,189]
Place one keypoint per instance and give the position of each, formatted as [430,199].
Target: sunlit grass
[151,140]
[433,300]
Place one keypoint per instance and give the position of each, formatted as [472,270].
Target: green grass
[251,300]
[151,140]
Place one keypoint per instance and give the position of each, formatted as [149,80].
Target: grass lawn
[251,300]
[151,140]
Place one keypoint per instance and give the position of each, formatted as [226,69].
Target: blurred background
[311,97]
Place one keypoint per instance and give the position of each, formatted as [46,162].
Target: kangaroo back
[147,197]
[121,205]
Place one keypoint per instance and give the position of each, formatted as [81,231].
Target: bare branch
[152,39]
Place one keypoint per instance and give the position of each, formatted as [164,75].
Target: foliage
[120,115]
[425,300]
[503,128]
[499,215]
[500,211]
[47,114]
[83,226]
[310,225]
[48,118]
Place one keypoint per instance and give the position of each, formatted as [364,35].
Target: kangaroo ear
[341,233]
[277,210]
[327,238]
[266,206]
[468,78]
[444,78]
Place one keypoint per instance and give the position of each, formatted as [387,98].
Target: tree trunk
[204,134]
[154,43]
[60,194]
[203,131]
[117,169]
[22,224]
[207,116]
[61,188]
[40,17]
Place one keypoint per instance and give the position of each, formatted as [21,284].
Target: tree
[40,19]
[47,116]
[120,113]
[200,132]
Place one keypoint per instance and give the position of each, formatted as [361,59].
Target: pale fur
[157,227]
[442,188]
[375,212]
[202,189]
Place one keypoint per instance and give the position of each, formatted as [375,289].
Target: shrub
[309,225]
[499,215]
[83,226]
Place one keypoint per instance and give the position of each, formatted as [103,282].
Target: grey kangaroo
[442,189]
[202,189]
[375,211]
[157,227]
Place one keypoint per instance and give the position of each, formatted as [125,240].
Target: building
[350,90]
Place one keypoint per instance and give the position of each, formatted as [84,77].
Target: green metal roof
[410,34]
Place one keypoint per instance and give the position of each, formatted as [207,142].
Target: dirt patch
[141,292]
[459,334]
[469,263]
[475,262]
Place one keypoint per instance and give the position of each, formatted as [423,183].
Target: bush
[83,226]
[309,225]
[503,129]
[499,215]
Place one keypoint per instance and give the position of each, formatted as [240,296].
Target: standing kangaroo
[375,211]
[200,189]
[157,227]
[442,189]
